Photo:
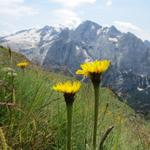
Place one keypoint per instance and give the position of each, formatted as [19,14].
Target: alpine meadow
[74,75]
[33,115]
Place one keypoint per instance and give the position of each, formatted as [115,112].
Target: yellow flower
[23,64]
[93,67]
[67,87]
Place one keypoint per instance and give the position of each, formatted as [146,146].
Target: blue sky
[126,15]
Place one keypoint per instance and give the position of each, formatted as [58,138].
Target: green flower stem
[23,71]
[69,99]
[69,125]
[96,106]
[95,78]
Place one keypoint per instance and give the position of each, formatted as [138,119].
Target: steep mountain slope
[147,43]
[38,114]
[32,43]
[65,49]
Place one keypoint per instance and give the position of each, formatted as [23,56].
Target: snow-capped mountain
[57,48]
[33,43]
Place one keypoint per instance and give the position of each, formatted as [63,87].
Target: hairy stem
[96,106]
[69,125]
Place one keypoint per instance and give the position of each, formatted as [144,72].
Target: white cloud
[7,27]
[6,2]
[109,2]
[73,3]
[126,26]
[66,17]
[129,27]
[15,8]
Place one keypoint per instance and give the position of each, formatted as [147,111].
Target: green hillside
[33,116]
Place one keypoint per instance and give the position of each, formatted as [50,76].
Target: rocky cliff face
[57,48]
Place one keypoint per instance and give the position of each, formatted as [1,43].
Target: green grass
[37,121]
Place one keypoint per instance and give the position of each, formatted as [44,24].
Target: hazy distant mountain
[57,48]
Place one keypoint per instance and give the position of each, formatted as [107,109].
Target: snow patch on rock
[113,39]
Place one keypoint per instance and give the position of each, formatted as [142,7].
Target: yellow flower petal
[97,66]
[23,64]
[67,87]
